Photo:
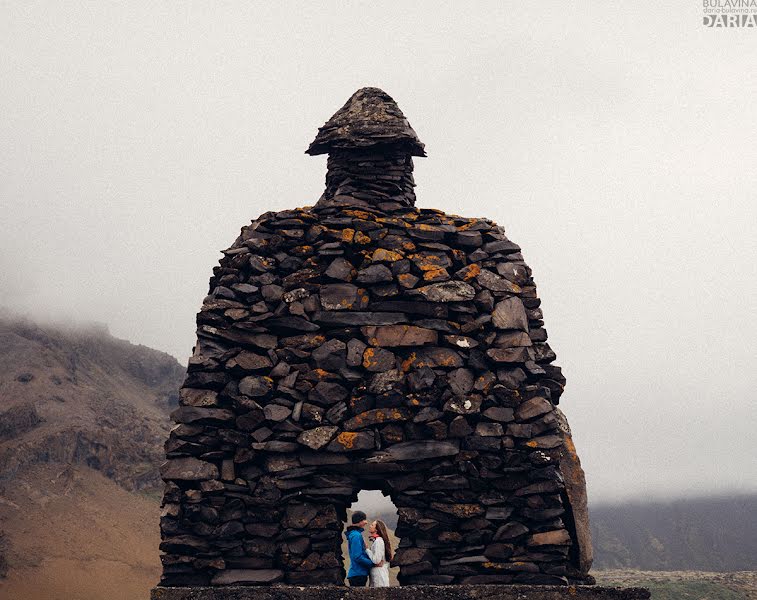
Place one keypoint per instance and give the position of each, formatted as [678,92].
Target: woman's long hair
[382,531]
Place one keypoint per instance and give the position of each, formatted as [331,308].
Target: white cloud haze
[614,141]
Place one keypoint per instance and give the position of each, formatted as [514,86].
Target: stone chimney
[370,146]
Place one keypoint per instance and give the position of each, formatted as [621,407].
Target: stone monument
[365,343]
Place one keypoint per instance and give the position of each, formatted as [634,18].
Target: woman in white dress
[380,553]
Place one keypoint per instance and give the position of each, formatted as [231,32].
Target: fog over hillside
[703,534]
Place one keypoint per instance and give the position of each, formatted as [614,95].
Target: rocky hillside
[702,534]
[83,418]
[83,397]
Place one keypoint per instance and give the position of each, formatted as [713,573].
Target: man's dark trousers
[358,581]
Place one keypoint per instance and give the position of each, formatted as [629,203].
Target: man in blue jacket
[360,562]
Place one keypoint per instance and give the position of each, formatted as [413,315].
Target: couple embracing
[368,564]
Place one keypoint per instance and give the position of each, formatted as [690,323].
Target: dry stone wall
[365,343]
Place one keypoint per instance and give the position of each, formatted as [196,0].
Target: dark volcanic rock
[400,335]
[421,450]
[369,118]
[450,291]
[318,437]
[510,314]
[342,296]
[358,318]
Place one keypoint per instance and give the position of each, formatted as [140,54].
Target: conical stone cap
[369,118]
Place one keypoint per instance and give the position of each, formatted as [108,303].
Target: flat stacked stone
[366,343]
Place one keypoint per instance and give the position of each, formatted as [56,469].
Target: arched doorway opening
[377,506]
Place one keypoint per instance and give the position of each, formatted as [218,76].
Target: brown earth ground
[71,533]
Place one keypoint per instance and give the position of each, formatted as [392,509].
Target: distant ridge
[702,534]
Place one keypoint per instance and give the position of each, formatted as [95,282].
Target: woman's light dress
[379,576]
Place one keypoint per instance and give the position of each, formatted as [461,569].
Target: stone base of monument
[425,592]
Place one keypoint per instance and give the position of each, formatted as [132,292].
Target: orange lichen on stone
[408,363]
[506,565]
[409,246]
[368,360]
[458,255]
[346,439]
[382,254]
[470,271]
[407,280]
[348,235]
[359,214]
[392,221]
[486,385]
[438,360]
[321,373]
[302,250]
[361,238]
[428,262]
[316,230]
[570,447]
[436,275]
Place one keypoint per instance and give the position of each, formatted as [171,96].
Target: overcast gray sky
[614,141]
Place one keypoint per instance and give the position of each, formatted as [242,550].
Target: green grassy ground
[691,590]
[686,585]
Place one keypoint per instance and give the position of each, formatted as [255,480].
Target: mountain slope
[83,397]
[703,534]
[83,418]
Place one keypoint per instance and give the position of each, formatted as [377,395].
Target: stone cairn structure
[364,343]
